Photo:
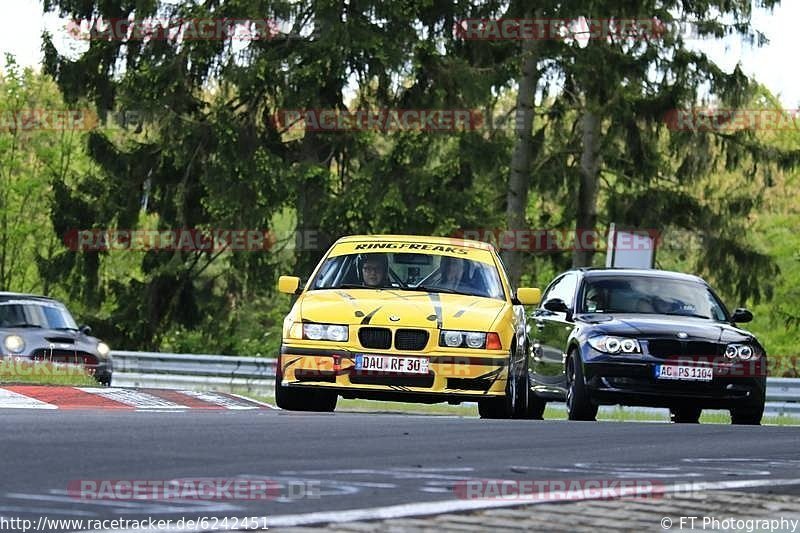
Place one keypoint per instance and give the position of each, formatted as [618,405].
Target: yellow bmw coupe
[407,318]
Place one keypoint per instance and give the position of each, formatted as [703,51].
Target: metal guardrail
[199,372]
[783,397]
[257,374]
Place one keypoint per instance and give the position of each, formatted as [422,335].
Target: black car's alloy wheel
[579,404]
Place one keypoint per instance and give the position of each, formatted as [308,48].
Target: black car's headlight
[745,352]
[614,345]
[325,332]
[103,349]
[14,343]
[451,338]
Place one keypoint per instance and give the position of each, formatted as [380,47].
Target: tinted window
[650,295]
[563,288]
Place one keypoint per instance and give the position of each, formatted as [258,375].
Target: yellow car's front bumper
[451,377]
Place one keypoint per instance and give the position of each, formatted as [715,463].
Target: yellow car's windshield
[409,271]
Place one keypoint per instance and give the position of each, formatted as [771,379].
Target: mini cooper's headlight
[477,340]
[328,332]
[744,352]
[14,343]
[103,349]
[614,345]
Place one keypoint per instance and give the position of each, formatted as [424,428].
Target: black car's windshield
[35,314]
[410,271]
[650,295]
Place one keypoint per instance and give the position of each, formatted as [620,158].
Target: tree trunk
[520,179]
[586,217]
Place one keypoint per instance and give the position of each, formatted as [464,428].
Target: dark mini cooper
[647,338]
[41,329]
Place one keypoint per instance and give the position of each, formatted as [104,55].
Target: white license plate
[392,364]
[688,373]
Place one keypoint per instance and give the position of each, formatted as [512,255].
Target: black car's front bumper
[615,381]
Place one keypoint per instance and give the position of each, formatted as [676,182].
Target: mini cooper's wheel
[747,416]
[579,404]
[685,415]
[300,399]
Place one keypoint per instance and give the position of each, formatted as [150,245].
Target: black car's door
[551,325]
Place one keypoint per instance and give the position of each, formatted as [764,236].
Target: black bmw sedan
[42,329]
[646,338]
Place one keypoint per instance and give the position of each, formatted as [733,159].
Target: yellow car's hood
[388,307]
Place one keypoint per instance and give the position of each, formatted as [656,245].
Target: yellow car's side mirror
[529,295]
[288,284]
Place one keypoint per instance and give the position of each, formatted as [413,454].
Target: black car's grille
[410,339]
[377,338]
[674,348]
[64,356]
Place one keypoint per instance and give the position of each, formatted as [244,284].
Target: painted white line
[264,404]
[14,400]
[219,400]
[135,398]
[454,506]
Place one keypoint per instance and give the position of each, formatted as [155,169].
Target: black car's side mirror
[741,315]
[86,330]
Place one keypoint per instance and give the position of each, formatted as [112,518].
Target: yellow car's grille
[376,338]
[410,339]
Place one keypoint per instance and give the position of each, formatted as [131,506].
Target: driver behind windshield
[374,270]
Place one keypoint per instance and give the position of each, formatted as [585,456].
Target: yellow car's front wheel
[302,398]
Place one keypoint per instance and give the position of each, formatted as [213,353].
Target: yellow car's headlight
[326,332]
[470,339]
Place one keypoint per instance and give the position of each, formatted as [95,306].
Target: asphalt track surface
[351,461]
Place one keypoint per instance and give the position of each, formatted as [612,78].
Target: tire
[579,404]
[516,398]
[297,399]
[747,416]
[685,415]
[492,408]
[104,379]
[536,407]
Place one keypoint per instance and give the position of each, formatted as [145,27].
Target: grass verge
[18,371]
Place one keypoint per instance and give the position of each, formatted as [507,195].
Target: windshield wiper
[354,286]
[23,326]
[432,289]
[66,328]
[687,314]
